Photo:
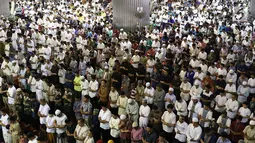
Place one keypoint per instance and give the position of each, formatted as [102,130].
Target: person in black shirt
[140,72]
[220,84]
[70,128]
[125,66]
[116,79]
[165,79]
[149,135]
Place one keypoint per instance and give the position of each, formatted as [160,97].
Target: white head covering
[171,89]
[130,101]
[148,84]
[82,77]
[252,122]
[244,83]
[123,117]
[194,97]
[194,119]
[57,112]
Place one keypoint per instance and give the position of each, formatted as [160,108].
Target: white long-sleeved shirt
[220,100]
[169,118]
[228,123]
[181,108]
[114,125]
[193,133]
[5,121]
[149,91]
[230,88]
[145,111]
[84,87]
[245,113]
[232,105]
[50,123]
[105,115]
[81,132]
[44,110]
[196,109]
[182,128]
[93,85]
[208,116]
[243,93]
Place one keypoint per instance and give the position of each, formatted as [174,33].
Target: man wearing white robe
[185,89]
[39,89]
[243,92]
[144,113]
[43,111]
[33,60]
[194,107]
[232,106]
[180,130]
[230,89]
[194,132]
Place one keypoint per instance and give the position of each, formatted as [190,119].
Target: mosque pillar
[4,7]
[128,14]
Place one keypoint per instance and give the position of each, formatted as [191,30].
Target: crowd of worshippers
[67,76]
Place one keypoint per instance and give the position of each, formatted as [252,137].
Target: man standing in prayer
[194,131]
[249,133]
[104,118]
[144,113]
[168,120]
[132,110]
[81,131]
[60,126]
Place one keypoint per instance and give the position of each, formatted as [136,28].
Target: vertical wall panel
[4,7]
[125,13]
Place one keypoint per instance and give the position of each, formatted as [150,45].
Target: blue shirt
[221,141]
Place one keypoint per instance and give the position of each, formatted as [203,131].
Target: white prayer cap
[196,83]
[212,51]
[231,71]
[106,67]
[130,101]
[19,89]
[230,80]
[244,83]
[194,97]
[252,122]
[135,124]
[124,58]
[170,89]
[13,62]
[121,29]
[57,112]
[123,117]
[194,119]
[148,84]
[136,50]
[82,77]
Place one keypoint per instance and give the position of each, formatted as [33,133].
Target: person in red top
[150,52]
[236,130]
